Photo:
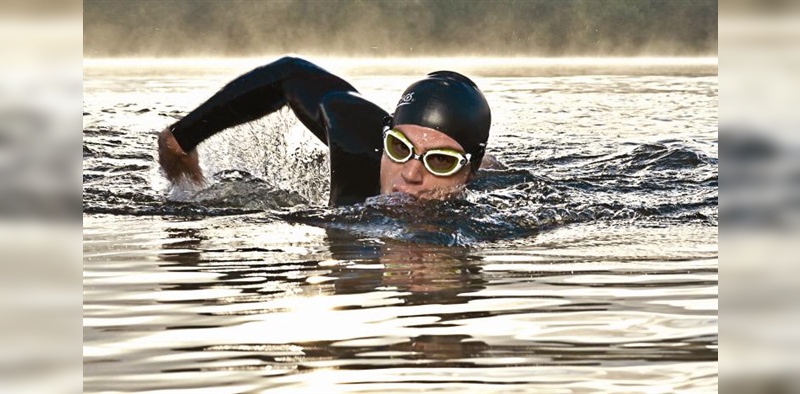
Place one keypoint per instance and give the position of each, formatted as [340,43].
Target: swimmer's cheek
[178,166]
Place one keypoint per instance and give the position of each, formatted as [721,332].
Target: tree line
[400,28]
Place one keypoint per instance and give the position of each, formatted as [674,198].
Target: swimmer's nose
[413,171]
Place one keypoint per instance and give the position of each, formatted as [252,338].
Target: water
[589,265]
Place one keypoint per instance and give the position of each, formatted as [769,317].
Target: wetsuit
[327,105]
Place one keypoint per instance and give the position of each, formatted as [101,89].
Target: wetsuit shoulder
[353,126]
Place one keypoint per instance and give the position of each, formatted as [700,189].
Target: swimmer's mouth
[419,194]
[399,190]
[429,194]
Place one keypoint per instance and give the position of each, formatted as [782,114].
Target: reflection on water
[168,300]
[590,265]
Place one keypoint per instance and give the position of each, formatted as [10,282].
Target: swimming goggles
[439,162]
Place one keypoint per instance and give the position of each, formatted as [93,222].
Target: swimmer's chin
[392,199]
[431,194]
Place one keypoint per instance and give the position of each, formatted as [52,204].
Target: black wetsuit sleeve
[326,104]
[290,80]
[355,140]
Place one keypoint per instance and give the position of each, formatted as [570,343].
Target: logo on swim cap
[405,100]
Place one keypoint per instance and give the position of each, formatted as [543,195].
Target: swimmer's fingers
[178,166]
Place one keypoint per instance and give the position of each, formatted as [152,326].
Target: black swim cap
[451,103]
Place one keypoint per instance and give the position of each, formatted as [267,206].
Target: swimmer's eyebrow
[445,145]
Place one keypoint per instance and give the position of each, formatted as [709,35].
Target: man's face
[412,177]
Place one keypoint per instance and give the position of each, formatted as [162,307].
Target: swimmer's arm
[289,80]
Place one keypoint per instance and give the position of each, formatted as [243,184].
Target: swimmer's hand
[178,166]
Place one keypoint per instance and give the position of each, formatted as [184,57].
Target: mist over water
[400,28]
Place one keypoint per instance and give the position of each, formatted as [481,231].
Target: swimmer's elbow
[292,61]
[285,66]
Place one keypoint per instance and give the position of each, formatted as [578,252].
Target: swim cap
[452,104]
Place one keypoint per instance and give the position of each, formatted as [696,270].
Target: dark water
[589,265]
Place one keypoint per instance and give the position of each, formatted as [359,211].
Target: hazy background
[399,28]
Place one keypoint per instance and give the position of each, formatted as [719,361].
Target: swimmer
[430,146]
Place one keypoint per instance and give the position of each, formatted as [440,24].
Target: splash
[276,149]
